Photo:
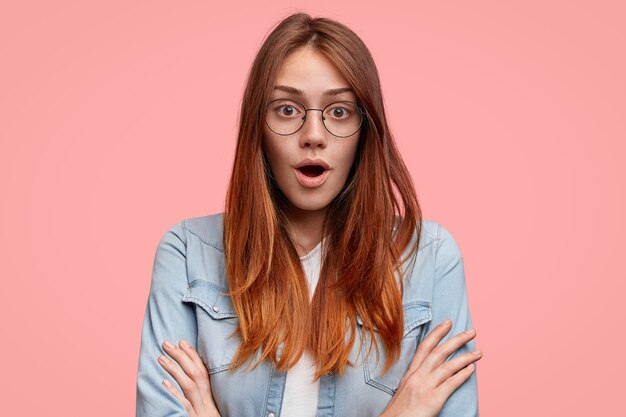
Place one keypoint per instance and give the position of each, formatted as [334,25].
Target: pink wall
[119,119]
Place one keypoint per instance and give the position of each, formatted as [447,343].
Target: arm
[166,317]
[450,302]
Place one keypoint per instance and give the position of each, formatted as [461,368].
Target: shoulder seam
[204,241]
[438,239]
[426,245]
[184,226]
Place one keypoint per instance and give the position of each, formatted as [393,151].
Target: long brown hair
[368,226]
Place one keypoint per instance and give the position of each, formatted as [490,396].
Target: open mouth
[312,170]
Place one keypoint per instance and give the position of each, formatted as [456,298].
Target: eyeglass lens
[285,117]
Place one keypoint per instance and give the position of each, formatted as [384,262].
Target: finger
[428,344]
[204,382]
[187,364]
[180,397]
[451,367]
[175,371]
[444,350]
[200,399]
[451,384]
[175,366]
[194,356]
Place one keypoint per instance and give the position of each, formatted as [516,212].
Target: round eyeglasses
[341,118]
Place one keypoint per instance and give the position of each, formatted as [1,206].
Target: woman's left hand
[189,371]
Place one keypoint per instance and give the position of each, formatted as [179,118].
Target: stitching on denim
[438,240]
[334,399]
[407,306]
[205,283]
[423,303]
[366,369]
[413,261]
[426,245]
[410,327]
[368,373]
[184,226]
[213,245]
[279,405]
[267,392]
[219,368]
[373,382]
[208,309]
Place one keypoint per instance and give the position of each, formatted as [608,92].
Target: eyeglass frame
[362,112]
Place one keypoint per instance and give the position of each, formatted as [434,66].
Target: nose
[313,132]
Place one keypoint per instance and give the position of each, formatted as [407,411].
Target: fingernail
[477,352]
[163,359]
[469,331]
[167,383]
[168,345]
[185,344]
[445,323]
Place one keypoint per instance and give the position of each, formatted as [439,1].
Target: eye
[339,111]
[286,109]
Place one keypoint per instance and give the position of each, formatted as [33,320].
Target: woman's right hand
[430,380]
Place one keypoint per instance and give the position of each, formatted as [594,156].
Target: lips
[311,162]
[312,173]
[311,182]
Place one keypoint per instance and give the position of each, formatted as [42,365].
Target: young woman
[320,291]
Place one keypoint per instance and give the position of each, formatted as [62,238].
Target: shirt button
[329,373]
[270,415]
[216,308]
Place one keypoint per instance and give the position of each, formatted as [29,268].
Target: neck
[305,228]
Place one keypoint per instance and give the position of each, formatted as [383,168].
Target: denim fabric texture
[187,300]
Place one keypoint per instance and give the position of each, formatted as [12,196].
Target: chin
[308,203]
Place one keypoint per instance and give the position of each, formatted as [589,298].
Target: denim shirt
[187,300]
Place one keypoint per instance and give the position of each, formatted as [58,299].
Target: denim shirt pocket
[216,319]
[416,315]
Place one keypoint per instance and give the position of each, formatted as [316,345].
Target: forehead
[308,73]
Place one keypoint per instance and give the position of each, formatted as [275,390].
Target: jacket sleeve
[166,318]
[450,302]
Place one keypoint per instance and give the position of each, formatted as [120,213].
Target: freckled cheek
[275,156]
[280,167]
[346,160]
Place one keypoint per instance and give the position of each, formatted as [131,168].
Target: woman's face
[306,189]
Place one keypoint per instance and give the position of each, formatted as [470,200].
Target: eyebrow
[298,92]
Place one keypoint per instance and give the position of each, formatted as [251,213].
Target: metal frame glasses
[361,112]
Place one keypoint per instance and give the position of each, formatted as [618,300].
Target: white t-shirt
[300,398]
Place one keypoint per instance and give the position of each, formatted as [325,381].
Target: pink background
[118,119]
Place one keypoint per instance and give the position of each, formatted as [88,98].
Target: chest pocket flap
[217,322]
[415,314]
[212,299]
